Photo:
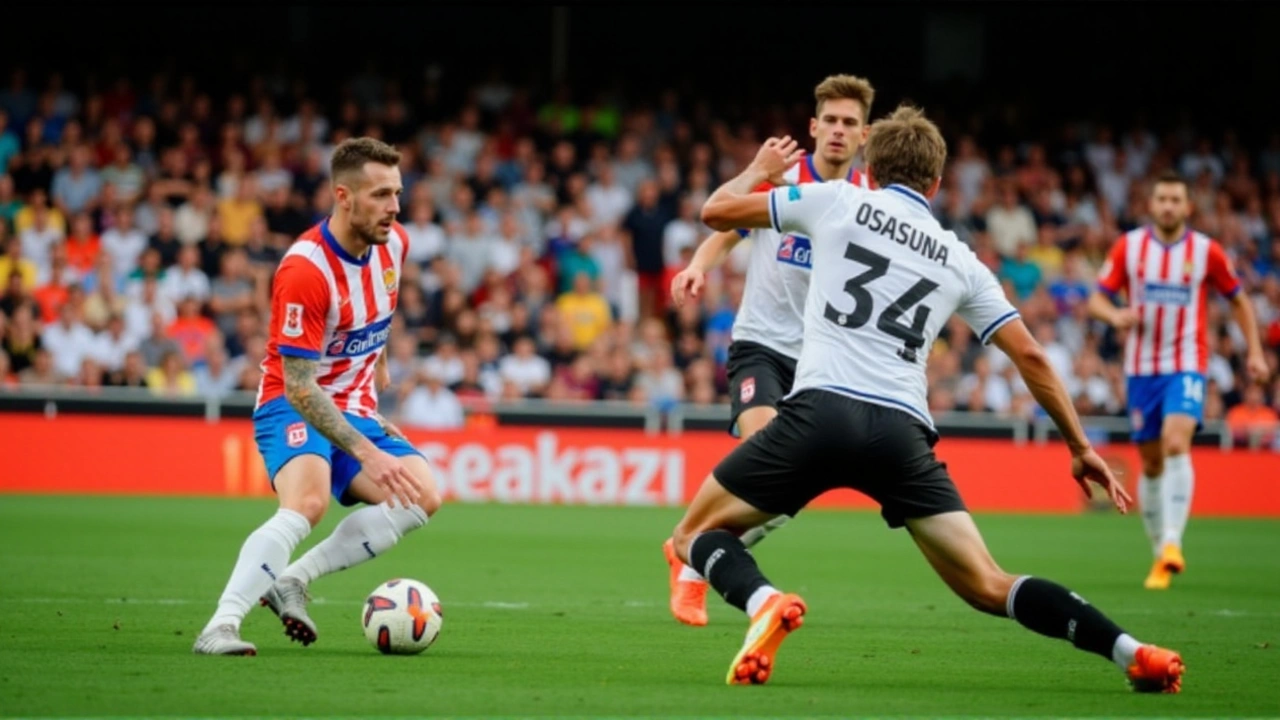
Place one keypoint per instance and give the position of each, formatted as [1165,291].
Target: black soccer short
[758,376]
[822,440]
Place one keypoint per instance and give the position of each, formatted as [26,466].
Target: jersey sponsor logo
[793,193]
[296,434]
[748,390]
[292,320]
[796,250]
[1165,294]
[360,342]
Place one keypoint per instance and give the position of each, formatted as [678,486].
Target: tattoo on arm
[316,407]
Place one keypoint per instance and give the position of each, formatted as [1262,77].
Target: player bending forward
[767,331]
[886,277]
[316,422]
[1166,269]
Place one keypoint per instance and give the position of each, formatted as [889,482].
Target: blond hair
[351,155]
[906,148]
[845,87]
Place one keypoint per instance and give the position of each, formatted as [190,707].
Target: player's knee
[988,591]
[311,506]
[1174,446]
[430,501]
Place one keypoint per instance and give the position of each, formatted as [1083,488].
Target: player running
[767,331]
[316,422]
[886,278]
[1165,269]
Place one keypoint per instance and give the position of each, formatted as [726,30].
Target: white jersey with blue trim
[772,309]
[886,278]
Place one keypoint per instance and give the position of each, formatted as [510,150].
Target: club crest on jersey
[748,390]
[296,434]
[292,320]
[796,250]
[389,280]
[353,343]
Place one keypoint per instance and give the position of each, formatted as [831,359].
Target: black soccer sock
[1050,609]
[724,561]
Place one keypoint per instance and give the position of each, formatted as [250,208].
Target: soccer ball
[402,617]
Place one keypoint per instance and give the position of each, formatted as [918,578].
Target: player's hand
[1124,318]
[688,283]
[776,156]
[1087,467]
[1257,367]
[386,471]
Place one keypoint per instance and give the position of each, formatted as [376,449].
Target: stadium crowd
[139,228]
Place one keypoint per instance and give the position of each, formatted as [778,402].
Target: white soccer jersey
[886,277]
[336,309]
[772,309]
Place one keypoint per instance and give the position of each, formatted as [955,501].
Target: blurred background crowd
[141,220]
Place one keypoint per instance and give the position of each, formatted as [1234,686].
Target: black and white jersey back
[886,278]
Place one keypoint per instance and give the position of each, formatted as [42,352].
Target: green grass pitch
[559,611]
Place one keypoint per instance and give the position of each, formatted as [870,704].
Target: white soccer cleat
[223,640]
[287,598]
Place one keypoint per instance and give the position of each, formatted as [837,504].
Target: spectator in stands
[170,377]
[646,223]
[429,404]
[1252,420]
[69,340]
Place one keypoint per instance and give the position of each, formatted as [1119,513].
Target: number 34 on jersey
[886,278]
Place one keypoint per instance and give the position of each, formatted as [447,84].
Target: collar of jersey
[909,194]
[1151,233]
[345,256]
[817,177]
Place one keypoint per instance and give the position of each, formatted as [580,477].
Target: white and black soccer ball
[402,617]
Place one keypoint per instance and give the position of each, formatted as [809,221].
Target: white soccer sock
[688,574]
[759,598]
[362,535]
[1152,506]
[1123,652]
[1175,490]
[263,557]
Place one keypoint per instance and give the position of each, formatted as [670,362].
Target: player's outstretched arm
[733,205]
[688,283]
[317,408]
[1033,364]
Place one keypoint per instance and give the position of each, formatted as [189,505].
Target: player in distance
[316,422]
[767,330]
[886,278]
[1166,269]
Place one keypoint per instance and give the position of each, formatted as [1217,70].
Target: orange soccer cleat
[781,615]
[1156,670]
[688,597]
[1165,567]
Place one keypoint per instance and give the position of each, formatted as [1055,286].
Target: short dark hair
[351,155]
[1171,177]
